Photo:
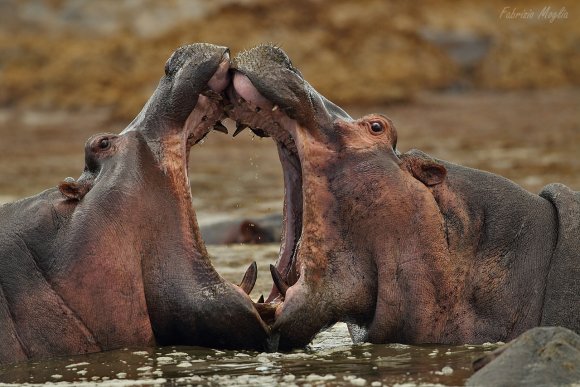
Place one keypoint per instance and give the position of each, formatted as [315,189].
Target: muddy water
[532,138]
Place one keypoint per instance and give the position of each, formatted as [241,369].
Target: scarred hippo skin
[114,259]
[403,247]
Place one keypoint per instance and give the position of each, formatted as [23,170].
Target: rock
[539,357]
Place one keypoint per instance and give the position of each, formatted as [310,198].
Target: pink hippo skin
[402,247]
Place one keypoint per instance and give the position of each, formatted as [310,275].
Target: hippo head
[336,173]
[138,181]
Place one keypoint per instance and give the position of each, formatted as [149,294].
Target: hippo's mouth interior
[250,110]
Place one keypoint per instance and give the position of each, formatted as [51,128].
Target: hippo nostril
[167,66]
[104,143]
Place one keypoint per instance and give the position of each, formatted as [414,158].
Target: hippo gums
[402,247]
[115,258]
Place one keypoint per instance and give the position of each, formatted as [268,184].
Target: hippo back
[28,230]
[562,297]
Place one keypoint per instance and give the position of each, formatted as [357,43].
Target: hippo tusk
[278,281]
[239,128]
[220,128]
[212,95]
[249,279]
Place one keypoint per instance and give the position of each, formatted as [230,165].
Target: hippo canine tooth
[239,129]
[250,278]
[278,281]
[220,128]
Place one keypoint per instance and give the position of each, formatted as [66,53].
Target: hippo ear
[424,168]
[74,190]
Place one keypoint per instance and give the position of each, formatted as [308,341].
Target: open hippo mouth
[269,96]
[207,115]
[188,103]
[250,109]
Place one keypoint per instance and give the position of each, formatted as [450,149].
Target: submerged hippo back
[562,298]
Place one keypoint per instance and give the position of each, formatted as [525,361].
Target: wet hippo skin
[403,247]
[114,258]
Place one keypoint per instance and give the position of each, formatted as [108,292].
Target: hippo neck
[415,274]
[505,237]
[394,225]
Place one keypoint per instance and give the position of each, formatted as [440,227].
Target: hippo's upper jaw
[187,103]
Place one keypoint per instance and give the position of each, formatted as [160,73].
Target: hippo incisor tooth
[274,108]
[220,128]
[278,281]
[249,279]
[209,93]
[239,129]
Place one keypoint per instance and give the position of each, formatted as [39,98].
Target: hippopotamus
[264,229]
[401,246]
[115,258]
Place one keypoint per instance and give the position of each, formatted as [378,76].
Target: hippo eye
[377,127]
[104,143]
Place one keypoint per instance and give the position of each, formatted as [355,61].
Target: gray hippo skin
[115,259]
[544,356]
[402,247]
